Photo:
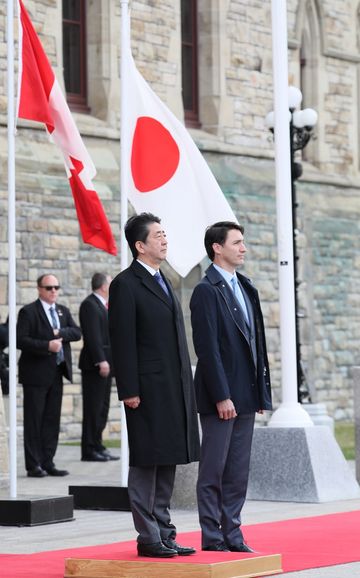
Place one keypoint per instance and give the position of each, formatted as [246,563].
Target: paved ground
[102,527]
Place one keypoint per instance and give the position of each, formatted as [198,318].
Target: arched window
[74,53]
[309,68]
[189,59]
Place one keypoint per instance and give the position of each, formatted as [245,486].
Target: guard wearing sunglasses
[44,332]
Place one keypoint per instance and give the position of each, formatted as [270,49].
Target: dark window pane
[72,59]
[186,21]
[189,61]
[71,10]
[74,53]
[187,78]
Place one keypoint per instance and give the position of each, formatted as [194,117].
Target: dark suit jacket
[95,329]
[227,367]
[151,360]
[4,335]
[37,365]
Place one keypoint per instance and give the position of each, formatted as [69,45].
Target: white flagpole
[124,169]
[11,245]
[290,412]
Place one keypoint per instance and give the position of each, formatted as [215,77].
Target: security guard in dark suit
[95,365]
[44,332]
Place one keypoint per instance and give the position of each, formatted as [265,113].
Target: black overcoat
[151,360]
[226,367]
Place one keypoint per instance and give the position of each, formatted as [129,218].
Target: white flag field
[168,175]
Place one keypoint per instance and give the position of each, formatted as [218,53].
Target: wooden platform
[243,568]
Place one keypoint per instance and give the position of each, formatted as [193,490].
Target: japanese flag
[168,176]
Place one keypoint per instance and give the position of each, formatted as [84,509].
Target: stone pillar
[4,455]
[299,465]
[355,372]
[184,494]
[319,415]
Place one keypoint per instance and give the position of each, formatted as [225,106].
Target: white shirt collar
[46,305]
[100,297]
[225,274]
[147,267]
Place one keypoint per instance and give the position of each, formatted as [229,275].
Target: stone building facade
[235,94]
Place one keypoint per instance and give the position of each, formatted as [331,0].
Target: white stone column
[290,413]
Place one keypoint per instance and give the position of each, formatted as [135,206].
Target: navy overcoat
[227,367]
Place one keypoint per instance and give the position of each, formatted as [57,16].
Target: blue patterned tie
[60,354]
[240,297]
[162,283]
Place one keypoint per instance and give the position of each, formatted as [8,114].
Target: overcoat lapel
[149,282]
[250,304]
[231,303]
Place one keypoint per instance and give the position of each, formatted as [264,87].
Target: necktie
[240,297]
[162,283]
[60,354]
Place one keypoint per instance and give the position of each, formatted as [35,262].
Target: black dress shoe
[37,473]
[241,548]
[58,473]
[108,455]
[156,550]
[95,457]
[221,547]
[181,550]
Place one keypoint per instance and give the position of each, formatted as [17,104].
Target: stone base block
[184,494]
[299,465]
[100,498]
[33,511]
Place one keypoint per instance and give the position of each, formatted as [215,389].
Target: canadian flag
[41,100]
[168,175]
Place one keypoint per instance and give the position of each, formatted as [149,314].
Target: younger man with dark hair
[232,383]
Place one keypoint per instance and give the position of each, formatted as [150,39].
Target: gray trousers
[223,477]
[150,490]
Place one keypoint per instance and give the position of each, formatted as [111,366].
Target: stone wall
[329,290]
[235,74]
[48,240]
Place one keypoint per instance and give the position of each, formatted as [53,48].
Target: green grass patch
[345,436]
[113,443]
[75,443]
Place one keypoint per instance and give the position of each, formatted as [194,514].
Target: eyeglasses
[50,287]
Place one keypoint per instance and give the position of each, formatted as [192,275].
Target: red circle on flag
[154,155]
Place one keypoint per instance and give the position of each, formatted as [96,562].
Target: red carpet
[304,543]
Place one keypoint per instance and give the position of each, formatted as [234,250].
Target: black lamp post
[301,124]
